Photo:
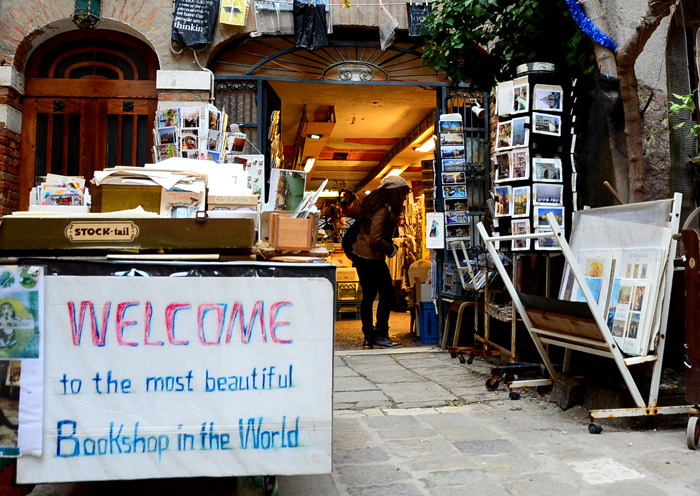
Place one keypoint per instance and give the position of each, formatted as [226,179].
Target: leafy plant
[483,41]
[685,102]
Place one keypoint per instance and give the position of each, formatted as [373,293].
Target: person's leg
[365,272]
[385,287]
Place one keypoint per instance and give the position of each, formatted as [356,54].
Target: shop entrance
[90,104]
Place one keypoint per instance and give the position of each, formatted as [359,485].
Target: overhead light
[87,13]
[309,164]
[368,192]
[329,194]
[394,172]
[315,136]
[427,146]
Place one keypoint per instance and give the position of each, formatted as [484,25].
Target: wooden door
[90,104]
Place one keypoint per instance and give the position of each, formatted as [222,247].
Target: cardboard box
[115,197]
[284,233]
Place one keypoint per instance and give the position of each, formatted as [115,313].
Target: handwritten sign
[185,376]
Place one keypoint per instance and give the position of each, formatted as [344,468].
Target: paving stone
[358,396]
[452,477]
[307,484]
[455,460]
[408,448]
[424,433]
[393,422]
[403,489]
[354,383]
[371,475]
[359,456]
[417,392]
[393,375]
[485,447]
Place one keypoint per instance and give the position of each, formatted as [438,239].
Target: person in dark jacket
[379,216]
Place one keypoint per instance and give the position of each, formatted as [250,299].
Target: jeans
[374,278]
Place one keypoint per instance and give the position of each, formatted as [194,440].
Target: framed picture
[546,124]
[545,243]
[454,191]
[456,217]
[541,216]
[548,194]
[520,164]
[504,135]
[503,198]
[448,139]
[520,132]
[521,95]
[546,170]
[521,201]
[453,164]
[520,226]
[549,98]
[453,178]
[503,170]
[452,152]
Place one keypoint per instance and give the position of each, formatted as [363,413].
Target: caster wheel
[492,384]
[595,429]
[470,360]
[453,354]
[514,395]
[462,359]
[693,432]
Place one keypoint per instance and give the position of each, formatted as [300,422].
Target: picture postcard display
[530,177]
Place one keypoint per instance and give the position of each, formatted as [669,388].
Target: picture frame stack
[532,157]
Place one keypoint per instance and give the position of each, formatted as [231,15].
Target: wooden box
[115,197]
[284,233]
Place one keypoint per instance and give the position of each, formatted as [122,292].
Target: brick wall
[9,157]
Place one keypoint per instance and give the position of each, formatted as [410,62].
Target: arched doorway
[90,104]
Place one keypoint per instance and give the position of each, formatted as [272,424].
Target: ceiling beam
[404,142]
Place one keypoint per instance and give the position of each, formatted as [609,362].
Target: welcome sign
[161,377]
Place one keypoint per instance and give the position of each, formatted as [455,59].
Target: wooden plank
[91,88]
[565,324]
[27,152]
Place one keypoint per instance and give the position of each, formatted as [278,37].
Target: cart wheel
[462,359]
[453,353]
[492,384]
[514,395]
[595,429]
[693,433]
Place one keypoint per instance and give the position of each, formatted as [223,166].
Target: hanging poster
[185,377]
[21,360]
[194,22]
[434,238]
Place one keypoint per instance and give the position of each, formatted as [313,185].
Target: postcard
[521,95]
[451,123]
[168,118]
[452,152]
[454,191]
[541,216]
[457,231]
[520,131]
[546,170]
[189,140]
[521,201]
[520,226]
[504,98]
[453,177]
[457,217]
[520,164]
[435,237]
[451,139]
[167,135]
[548,194]
[548,98]
[504,135]
[191,117]
[453,164]
[503,200]
[503,170]
[546,124]
[456,204]
[546,242]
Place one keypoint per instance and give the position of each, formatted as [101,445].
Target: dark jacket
[375,238]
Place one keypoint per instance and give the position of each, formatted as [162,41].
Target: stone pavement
[417,422]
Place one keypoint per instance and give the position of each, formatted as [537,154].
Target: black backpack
[350,236]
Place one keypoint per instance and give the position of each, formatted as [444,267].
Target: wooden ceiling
[377,127]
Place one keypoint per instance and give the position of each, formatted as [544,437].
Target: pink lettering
[170,312]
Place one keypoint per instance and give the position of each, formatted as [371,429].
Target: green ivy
[483,41]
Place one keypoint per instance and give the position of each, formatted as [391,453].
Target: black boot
[381,339]
[368,343]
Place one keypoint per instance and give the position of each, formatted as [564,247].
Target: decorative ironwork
[355,72]
[222,85]
[128,106]
[59,105]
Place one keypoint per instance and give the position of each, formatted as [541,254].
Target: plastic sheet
[387,25]
[310,29]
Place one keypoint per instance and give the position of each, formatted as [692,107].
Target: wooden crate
[291,234]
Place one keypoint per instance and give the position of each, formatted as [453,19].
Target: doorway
[90,104]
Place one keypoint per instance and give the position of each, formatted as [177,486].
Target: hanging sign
[233,12]
[185,377]
[194,22]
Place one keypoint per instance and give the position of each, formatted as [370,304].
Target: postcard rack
[608,230]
